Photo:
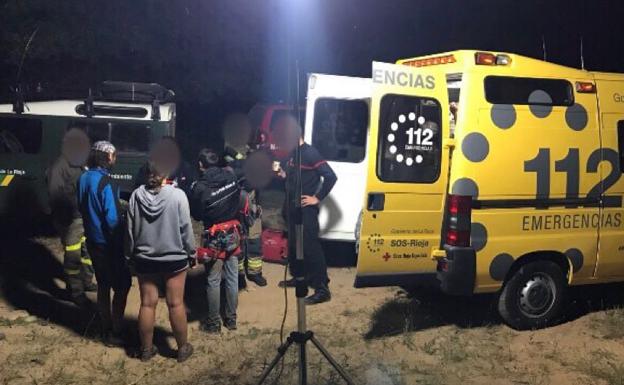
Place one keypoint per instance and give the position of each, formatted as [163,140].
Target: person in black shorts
[160,246]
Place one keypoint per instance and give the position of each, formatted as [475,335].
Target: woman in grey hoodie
[160,246]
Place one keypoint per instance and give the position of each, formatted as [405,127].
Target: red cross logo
[386,257]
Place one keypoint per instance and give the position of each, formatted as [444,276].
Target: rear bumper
[398,279]
[457,271]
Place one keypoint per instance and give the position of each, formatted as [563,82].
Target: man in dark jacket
[215,200]
[62,180]
[317,181]
[98,200]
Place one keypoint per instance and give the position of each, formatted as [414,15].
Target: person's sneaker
[258,279]
[288,283]
[230,325]
[319,296]
[90,287]
[242,282]
[185,352]
[148,354]
[112,339]
[210,329]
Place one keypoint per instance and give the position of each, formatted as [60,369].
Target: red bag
[274,246]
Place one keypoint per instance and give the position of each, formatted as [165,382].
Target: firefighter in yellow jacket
[237,135]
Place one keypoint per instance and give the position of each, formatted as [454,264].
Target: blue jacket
[98,200]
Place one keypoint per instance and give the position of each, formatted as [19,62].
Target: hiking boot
[288,283]
[185,352]
[242,282]
[82,301]
[319,296]
[90,287]
[258,279]
[230,325]
[210,328]
[148,354]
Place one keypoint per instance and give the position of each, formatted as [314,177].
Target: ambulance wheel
[533,297]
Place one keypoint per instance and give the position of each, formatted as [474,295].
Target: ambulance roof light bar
[430,61]
[490,59]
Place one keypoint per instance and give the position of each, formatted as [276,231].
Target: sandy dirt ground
[381,336]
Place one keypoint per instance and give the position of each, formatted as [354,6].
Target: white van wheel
[533,296]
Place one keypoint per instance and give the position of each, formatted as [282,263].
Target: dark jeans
[315,266]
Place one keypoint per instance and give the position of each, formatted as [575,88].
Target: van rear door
[337,126]
[407,177]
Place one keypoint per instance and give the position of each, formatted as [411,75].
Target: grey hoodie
[159,225]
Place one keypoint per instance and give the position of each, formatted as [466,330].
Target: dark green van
[130,115]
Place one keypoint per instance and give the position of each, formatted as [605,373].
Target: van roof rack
[135,92]
[111,91]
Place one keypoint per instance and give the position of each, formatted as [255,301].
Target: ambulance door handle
[376,201]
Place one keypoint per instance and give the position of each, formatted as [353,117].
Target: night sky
[223,56]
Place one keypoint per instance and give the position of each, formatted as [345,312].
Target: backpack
[215,197]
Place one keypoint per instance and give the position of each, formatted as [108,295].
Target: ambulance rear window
[20,136]
[340,129]
[409,139]
[533,91]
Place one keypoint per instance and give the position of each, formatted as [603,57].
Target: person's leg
[104,307]
[72,244]
[148,288]
[315,263]
[175,302]
[213,294]
[254,261]
[122,282]
[316,266]
[102,274]
[86,265]
[230,275]
[242,282]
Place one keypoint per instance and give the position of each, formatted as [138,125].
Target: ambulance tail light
[585,88]
[485,59]
[459,213]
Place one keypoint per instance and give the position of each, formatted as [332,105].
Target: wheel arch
[555,256]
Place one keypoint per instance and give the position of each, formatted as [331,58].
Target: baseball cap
[103,146]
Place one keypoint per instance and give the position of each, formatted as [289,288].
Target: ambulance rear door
[337,126]
[407,177]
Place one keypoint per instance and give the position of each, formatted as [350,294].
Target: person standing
[317,181]
[215,200]
[62,180]
[99,204]
[160,247]
[237,134]
[167,156]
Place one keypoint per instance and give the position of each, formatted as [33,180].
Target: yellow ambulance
[494,172]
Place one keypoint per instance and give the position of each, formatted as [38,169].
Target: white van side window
[340,129]
[409,139]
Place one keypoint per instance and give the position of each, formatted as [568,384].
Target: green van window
[20,135]
[127,137]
